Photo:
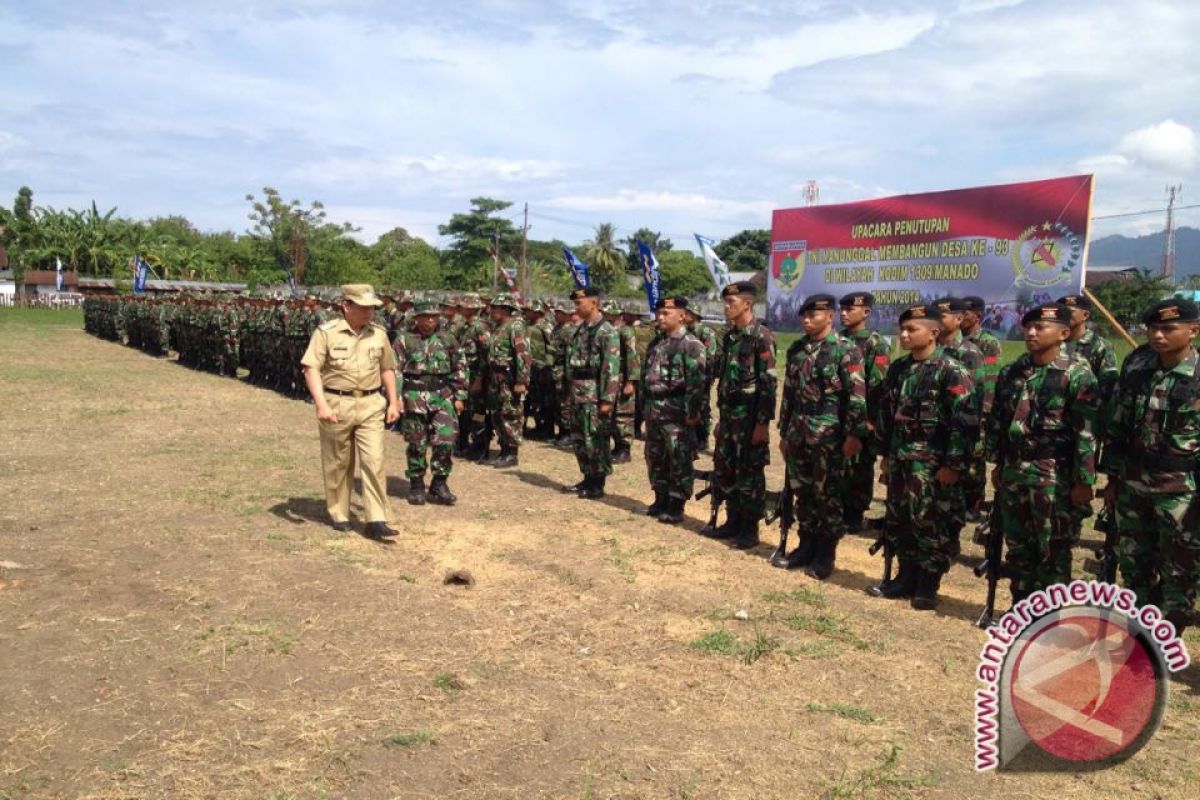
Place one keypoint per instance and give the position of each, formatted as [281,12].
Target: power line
[1144,213]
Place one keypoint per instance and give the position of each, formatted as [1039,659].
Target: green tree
[298,235]
[1127,300]
[403,261]
[467,262]
[746,251]
[657,243]
[681,273]
[604,257]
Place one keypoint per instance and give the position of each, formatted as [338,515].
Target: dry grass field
[178,621]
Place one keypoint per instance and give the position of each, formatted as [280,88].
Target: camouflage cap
[423,307]
[469,300]
[404,297]
[505,300]
[610,307]
[560,305]
[536,306]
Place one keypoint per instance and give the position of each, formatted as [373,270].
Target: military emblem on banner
[787,263]
[1046,254]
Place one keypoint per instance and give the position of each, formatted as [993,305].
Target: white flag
[58,276]
[716,267]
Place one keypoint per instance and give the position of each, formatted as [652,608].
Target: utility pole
[525,254]
[812,193]
[496,260]
[1168,255]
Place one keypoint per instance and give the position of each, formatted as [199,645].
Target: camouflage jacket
[712,347]
[593,363]
[429,365]
[1153,436]
[1041,421]
[968,354]
[541,343]
[473,342]
[747,373]
[989,346]
[673,377]
[559,344]
[508,352]
[824,392]
[1101,357]
[631,360]
[924,411]
[877,357]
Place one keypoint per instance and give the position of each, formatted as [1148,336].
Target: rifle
[886,542]
[989,535]
[718,497]
[783,510]
[1105,562]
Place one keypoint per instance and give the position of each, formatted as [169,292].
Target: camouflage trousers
[430,423]
[915,501]
[506,410]
[704,429]
[1037,525]
[739,465]
[475,417]
[858,486]
[1159,550]
[622,427]
[566,411]
[670,453]
[817,479]
[974,481]
[590,432]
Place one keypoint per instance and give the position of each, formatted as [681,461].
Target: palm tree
[604,257]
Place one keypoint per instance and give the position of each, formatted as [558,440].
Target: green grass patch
[718,641]
[883,779]
[726,643]
[448,682]
[843,710]
[42,317]
[809,597]
[832,628]
[419,736]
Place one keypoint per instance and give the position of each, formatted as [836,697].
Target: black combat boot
[596,489]
[726,530]
[621,456]
[673,513]
[747,532]
[823,558]
[440,493]
[902,584]
[659,505]
[853,520]
[578,488]
[925,596]
[507,458]
[416,491]
[565,442]
[480,451]
[801,556]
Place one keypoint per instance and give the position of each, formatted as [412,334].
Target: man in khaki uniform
[346,363]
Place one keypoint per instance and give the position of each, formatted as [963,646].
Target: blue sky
[684,117]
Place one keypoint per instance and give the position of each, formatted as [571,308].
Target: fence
[52,301]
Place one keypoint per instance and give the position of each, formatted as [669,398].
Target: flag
[58,274]
[292,284]
[578,269]
[140,272]
[649,274]
[716,267]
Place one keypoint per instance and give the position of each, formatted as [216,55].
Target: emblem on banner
[787,263]
[1046,254]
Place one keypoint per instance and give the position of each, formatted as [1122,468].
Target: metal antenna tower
[1168,256]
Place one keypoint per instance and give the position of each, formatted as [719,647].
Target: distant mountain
[1146,252]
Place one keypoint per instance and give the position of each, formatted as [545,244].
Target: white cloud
[373,221]
[430,172]
[640,200]
[1167,146]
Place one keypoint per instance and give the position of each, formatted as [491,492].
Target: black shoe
[823,559]
[661,500]
[925,597]
[507,458]
[341,527]
[379,530]
[673,514]
[566,442]
[621,456]
[576,488]
[595,489]
[802,556]
[854,521]
[902,585]
[440,493]
[726,530]
[416,491]
[954,546]
[747,533]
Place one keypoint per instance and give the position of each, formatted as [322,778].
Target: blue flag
[649,274]
[140,273]
[579,270]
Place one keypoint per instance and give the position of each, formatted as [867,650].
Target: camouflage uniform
[824,402]
[508,364]
[745,399]
[1153,452]
[673,380]
[969,355]
[594,372]
[975,480]
[537,405]
[562,382]
[924,424]
[624,410]
[860,475]
[712,356]
[1040,435]
[474,341]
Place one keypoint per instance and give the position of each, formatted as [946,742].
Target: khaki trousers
[357,436]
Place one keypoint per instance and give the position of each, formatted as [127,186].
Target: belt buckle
[358,393]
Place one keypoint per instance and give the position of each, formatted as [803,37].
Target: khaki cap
[361,294]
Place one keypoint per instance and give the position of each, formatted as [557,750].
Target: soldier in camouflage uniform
[431,379]
[1152,458]
[855,313]
[539,329]
[746,402]
[622,423]
[1039,435]
[989,346]
[568,323]
[712,356]
[593,370]
[673,380]
[473,341]
[508,366]
[954,345]
[822,425]
[923,431]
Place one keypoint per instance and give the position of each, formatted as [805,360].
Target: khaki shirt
[348,362]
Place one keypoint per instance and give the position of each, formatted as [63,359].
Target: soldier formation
[470,370]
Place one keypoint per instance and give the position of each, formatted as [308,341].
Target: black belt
[584,374]
[353,392]
[659,394]
[1164,462]
[427,382]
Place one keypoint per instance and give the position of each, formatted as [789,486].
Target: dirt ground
[178,621]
